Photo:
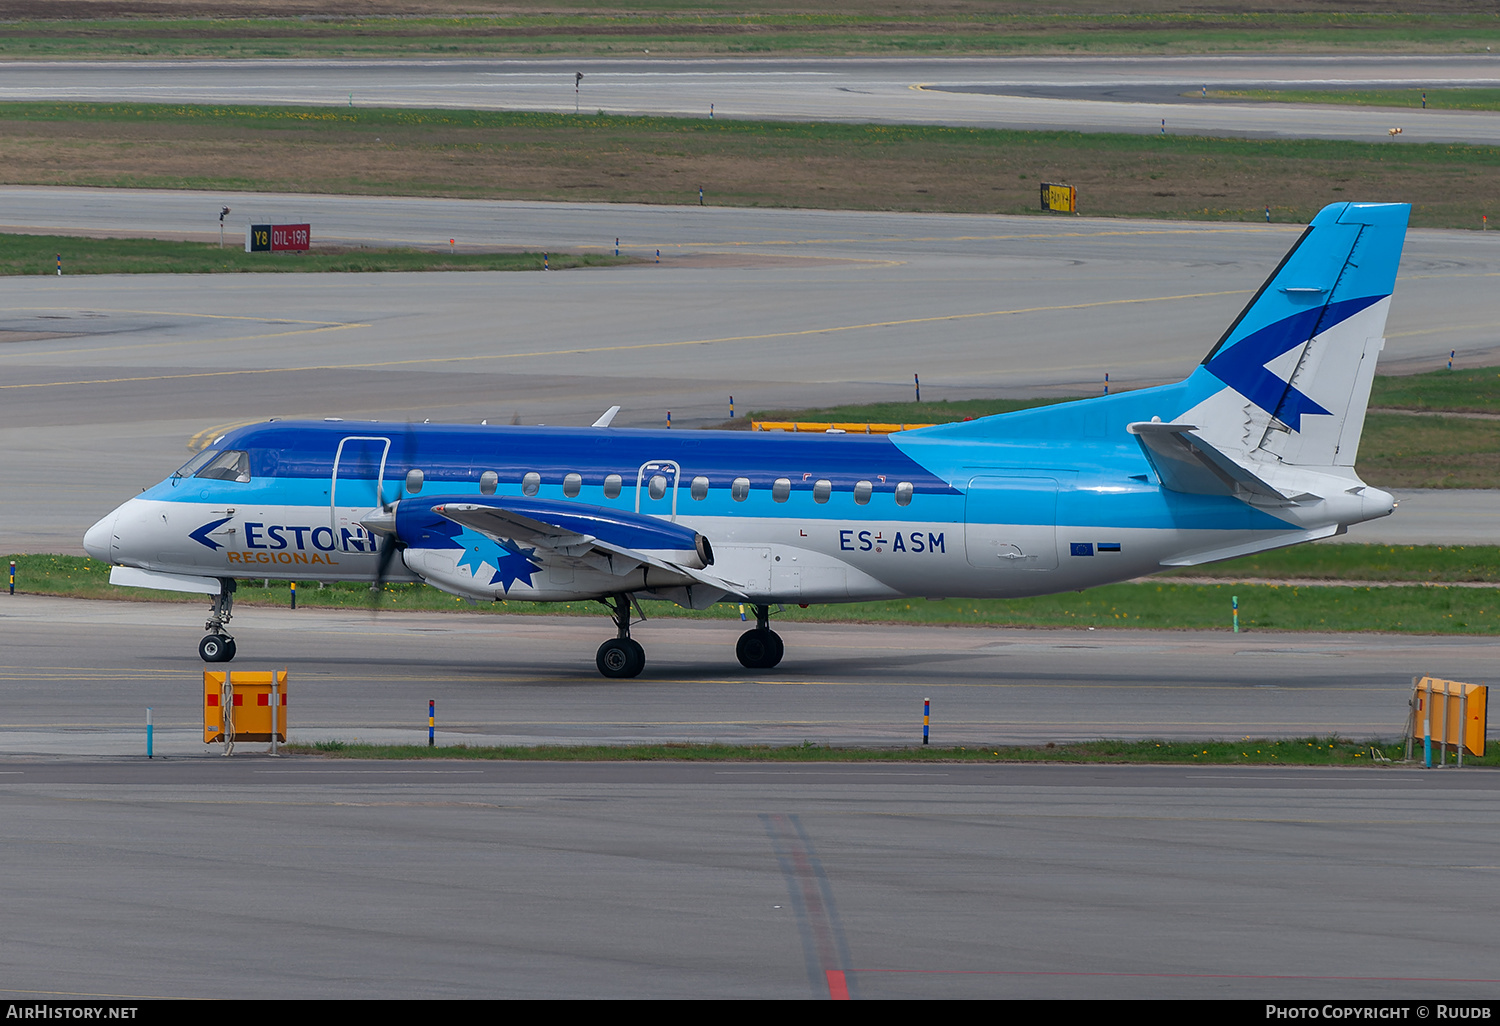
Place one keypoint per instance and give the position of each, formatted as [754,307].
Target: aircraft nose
[99,539]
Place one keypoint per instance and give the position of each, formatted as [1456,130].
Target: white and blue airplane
[1254,450]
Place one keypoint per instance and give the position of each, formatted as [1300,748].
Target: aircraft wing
[563,537]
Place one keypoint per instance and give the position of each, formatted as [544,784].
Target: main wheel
[621,657]
[216,648]
[773,657]
[759,649]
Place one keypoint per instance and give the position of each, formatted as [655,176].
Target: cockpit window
[190,468]
[231,465]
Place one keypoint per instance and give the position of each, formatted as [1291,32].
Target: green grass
[713,27]
[1351,562]
[1437,99]
[1476,390]
[38,254]
[1314,751]
[592,158]
[1157,604]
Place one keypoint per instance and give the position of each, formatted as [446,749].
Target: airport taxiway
[1089,94]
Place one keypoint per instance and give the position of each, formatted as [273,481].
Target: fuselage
[792,517]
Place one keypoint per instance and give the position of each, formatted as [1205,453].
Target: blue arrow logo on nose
[201,535]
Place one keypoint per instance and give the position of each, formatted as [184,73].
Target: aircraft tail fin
[1290,379]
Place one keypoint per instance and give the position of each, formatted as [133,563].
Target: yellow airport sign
[1059,197]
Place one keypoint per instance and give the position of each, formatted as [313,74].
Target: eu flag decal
[1082,548]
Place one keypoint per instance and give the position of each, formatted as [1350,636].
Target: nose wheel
[216,648]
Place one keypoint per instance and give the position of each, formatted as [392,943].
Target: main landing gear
[761,648]
[218,646]
[622,655]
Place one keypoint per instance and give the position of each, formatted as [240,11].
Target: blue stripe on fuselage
[1105,481]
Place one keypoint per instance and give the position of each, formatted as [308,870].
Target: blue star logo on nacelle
[511,561]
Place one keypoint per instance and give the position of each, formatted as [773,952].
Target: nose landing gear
[621,656]
[218,646]
[761,648]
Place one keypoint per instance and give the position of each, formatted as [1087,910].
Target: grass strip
[601,158]
[715,27]
[1309,751]
[1157,604]
[1431,99]
[40,254]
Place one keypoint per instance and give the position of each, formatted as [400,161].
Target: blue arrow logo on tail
[1242,366]
[201,535]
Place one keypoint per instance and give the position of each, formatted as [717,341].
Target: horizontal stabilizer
[1186,463]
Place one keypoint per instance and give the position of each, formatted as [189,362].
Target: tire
[776,649]
[214,648]
[230,648]
[620,658]
[639,653]
[759,649]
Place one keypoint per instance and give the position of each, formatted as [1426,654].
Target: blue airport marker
[1451,354]
[700,195]
[1236,607]
[731,407]
[1268,213]
[148,733]
[658,256]
[711,107]
[431,723]
[926,717]
[617,245]
[13,577]
[546,265]
[1106,382]
[917,381]
[669,420]
[294,594]
[1163,126]
[59,265]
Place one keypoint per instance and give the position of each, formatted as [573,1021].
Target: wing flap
[558,546]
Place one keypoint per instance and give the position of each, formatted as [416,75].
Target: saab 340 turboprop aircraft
[1254,450]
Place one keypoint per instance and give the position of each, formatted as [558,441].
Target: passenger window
[822,489]
[531,483]
[612,486]
[739,491]
[414,479]
[781,489]
[232,465]
[862,492]
[572,484]
[657,486]
[488,481]
[700,488]
[903,493]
